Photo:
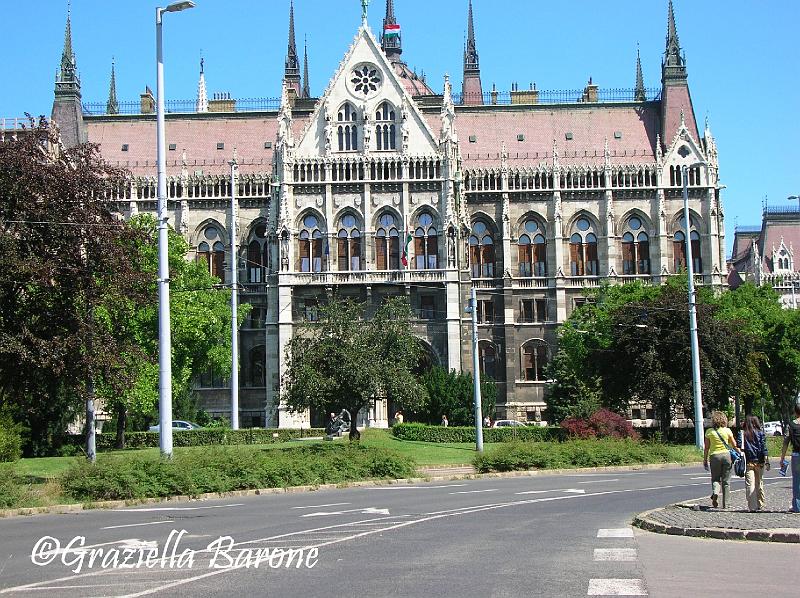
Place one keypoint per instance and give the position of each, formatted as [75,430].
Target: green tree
[344,361]
[63,254]
[450,393]
[200,319]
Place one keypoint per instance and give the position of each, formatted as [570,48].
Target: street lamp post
[164,340]
[696,389]
[476,372]
[234,260]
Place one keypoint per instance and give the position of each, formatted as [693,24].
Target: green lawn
[424,453]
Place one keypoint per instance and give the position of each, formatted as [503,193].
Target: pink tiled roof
[790,231]
[198,135]
[590,125]
[677,99]
[412,83]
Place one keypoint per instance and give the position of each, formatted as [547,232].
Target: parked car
[178,424]
[506,423]
[773,428]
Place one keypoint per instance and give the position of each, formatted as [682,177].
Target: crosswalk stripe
[621,532]
[614,554]
[616,587]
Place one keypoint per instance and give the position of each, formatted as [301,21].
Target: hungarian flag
[391,30]
[404,257]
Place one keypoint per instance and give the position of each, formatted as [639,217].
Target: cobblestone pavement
[697,518]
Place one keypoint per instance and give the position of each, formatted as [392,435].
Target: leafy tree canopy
[344,361]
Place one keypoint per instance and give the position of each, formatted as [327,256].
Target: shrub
[450,393]
[424,433]
[10,439]
[204,437]
[224,469]
[580,453]
[601,424]
[14,490]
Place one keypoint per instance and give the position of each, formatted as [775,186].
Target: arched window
[347,131]
[310,246]
[635,248]
[583,259]
[532,250]
[487,359]
[426,243]
[387,244]
[535,356]
[679,247]
[257,254]
[348,244]
[257,366]
[481,251]
[212,251]
[385,127]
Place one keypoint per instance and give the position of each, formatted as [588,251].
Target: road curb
[783,535]
[115,504]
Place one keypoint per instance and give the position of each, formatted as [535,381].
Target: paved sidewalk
[697,518]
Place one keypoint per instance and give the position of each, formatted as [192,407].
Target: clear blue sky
[742,59]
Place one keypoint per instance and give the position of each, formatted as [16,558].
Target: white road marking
[620,532]
[599,481]
[387,528]
[614,554]
[367,511]
[704,477]
[153,509]
[568,490]
[473,491]
[330,504]
[413,487]
[616,587]
[137,524]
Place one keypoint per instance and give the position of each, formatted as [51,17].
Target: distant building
[764,254]
[529,196]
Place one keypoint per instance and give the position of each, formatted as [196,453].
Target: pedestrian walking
[719,440]
[793,438]
[487,422]
[445,423]
[757,457]
[398,417]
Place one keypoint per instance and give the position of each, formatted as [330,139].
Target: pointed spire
[306,83]
[674,64]
[471,89]
[471,51]
[391,41]
[292,67]
[202,95]
[112,106]
[640,94]
[67,79]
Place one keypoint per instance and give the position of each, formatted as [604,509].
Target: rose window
[365,79]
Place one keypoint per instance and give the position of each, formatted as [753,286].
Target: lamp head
[179,6]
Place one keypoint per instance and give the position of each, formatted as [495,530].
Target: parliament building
[390,184]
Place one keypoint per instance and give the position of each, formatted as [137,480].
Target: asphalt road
[556,535]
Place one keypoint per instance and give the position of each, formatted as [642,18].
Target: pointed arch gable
[384,209]
[647,222]
[197,234]
[308,211]
[695,217]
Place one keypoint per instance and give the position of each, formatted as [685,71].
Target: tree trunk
[122,420]
[354,433]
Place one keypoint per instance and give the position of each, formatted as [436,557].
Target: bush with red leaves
[601,424]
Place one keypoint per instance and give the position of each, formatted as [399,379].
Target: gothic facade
[383,186]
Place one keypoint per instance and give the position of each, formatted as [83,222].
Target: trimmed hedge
[228,468]
[425,433]
[203,437]
[581,453]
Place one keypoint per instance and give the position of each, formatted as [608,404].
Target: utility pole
[234,263]
[476,372]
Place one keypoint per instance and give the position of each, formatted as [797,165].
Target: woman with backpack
[755,452]
[719,443]
[793,437]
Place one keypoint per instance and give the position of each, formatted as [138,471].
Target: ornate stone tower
[391,40]
[676,101]
[291,75]
[471,89]
[67,110]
